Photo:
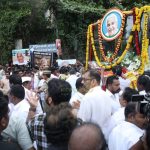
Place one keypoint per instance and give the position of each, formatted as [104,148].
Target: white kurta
[115,119]
[77,96]
[124,83]
[124,136]
[72,80]
[115,104]
[16,129]
[95,107]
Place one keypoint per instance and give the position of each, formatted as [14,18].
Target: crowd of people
[70,108]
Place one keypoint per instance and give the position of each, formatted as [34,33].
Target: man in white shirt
[78,96]
[118,116]
[113,89]
[72,80]
[16,129]
[95,106]
[126,135]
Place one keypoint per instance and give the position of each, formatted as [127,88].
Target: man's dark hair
[64,70]
[79,83]
[59,91]
[95,75]
[72,71]
[87,136]
[130,109]
[117,70]
[17,91]
[3,107]
[144,81]
[59,124]
[111,79]
[128,93]
[15,79]
[47,75]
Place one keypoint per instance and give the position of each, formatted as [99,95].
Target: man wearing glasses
[95,106]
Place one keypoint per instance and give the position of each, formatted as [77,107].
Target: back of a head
[117,70]
[72,71]
[3,110]
[131,108]
[95,75]
[79,83]
[143,80]
[87,137]
[15,79]
[17,91]
[128,93]
[59,124]
[59,91]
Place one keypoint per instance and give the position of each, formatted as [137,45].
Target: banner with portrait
[20,56]
[42,59]
[39,51]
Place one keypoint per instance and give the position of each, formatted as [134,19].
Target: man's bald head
[87,137]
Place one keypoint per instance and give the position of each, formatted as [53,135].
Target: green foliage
[68,21]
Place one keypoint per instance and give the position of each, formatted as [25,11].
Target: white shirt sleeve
[85,110]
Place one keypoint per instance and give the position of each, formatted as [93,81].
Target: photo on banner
[20,57]
[42,59]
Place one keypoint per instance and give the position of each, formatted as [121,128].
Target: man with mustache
[113,89]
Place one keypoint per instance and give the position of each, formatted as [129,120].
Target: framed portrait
[41,59]
[111,24]
[20,56]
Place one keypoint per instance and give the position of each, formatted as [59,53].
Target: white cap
[24,79]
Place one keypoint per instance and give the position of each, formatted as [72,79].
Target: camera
[143,103]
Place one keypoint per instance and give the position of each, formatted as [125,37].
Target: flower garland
[136,33]
[119,59]
[145,44]
[87,48]
[136,26]
[118,43]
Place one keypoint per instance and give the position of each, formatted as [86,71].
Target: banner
[66,62]
[20,57]
[42,59]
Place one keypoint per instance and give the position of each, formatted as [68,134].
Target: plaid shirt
[36,129]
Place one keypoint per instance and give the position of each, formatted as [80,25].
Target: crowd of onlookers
[70,108]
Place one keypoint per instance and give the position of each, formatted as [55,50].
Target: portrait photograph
[41,59]
[20,57]
[111,24]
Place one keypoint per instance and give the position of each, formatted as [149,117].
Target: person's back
[125,135]
[16,129]
[4,119]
